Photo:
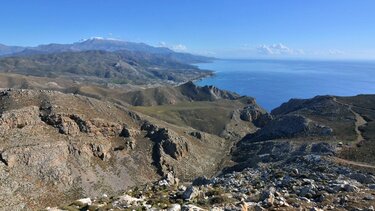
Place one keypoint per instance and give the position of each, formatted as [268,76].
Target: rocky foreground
[310,182]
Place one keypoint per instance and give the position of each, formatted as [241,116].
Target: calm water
[274,82]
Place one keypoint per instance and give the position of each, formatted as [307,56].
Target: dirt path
[352,163]
[359,121]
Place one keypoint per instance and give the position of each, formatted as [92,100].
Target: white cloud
[162,44]
[178,47]
[335,52]
[278,49]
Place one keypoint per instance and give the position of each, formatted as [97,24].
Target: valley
[100,127]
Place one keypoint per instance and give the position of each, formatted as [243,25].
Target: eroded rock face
[170,143]
[252,113]
[166,143]
[73,124]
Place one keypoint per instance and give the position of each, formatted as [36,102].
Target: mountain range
[110,45]
[103,61]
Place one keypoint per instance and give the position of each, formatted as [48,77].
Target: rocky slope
[56,147]
[291,162]
[302,183]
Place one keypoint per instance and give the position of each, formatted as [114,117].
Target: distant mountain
[120,67]
[4,49]
[100,44]
[110,45]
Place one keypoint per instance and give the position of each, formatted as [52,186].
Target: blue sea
[273,82]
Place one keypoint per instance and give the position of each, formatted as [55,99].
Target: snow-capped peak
[99,38]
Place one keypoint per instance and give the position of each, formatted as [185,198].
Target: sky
[324,29]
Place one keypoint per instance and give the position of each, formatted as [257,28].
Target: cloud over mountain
[278,49]
[177,48]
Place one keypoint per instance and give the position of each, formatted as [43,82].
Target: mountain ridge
[110,45]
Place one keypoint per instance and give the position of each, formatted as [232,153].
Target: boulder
[196,134]
[190,193]
[174,207]
[85,201]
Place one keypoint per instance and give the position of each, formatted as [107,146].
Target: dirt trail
[353,163]
[359,121]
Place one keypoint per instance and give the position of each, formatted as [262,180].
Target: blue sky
[223,28]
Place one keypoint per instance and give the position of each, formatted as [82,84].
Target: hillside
[303,156]
[57,147]
[186,92]
[121,67]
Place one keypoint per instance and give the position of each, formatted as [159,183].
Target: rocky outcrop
[196,134]
[205,93]
[253,113]
[170,143]
[73,124]
[166,143]
[290,126]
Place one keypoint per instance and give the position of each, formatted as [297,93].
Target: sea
[273,82]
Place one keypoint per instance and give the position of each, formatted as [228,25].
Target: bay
[273,82]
